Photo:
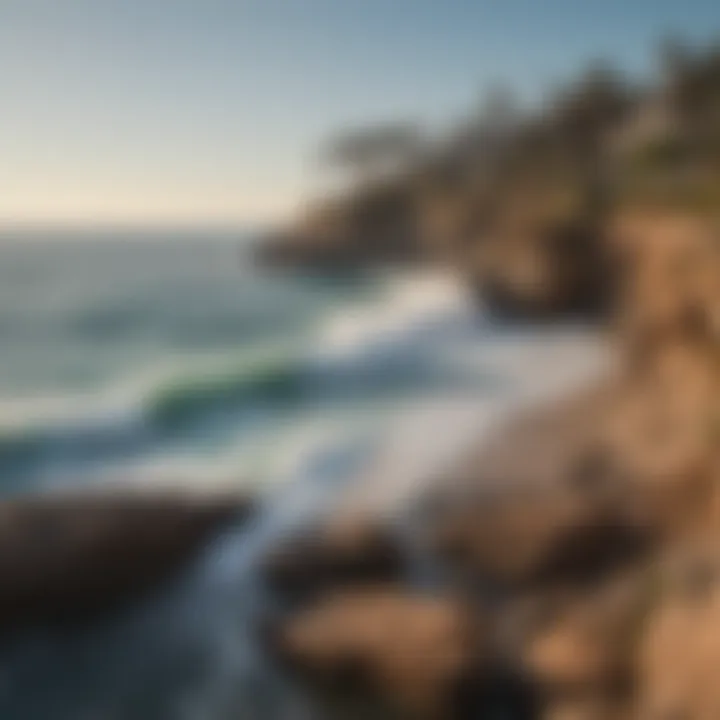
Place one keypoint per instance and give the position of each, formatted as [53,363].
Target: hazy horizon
[57,228]
[205,113]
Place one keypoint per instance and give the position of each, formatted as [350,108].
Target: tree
[586,112]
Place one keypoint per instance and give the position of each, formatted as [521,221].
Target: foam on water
[414,356]
[366,351]
[414,304]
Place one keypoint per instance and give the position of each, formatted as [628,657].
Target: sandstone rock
[65,558]
[661,432]
[681,650]
[534,541]
[543,502]
[419,657]
[559,522]
[545,447]
[671,284]
[533,267]
[583,651]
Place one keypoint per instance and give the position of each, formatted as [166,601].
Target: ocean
[171,359]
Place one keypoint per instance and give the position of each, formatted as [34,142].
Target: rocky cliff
[576,550]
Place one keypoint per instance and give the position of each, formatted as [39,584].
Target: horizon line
[153,226]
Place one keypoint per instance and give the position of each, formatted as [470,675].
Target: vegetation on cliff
[519,199]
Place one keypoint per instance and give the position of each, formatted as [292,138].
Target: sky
[209,111]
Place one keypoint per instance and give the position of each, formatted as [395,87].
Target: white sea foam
[422,323]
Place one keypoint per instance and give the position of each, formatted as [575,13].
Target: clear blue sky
[208,110]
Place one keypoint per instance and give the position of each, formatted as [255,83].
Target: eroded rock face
[545,270]
[533,541]
[580,542]
[524,261]
[347,551]
[680,652]
[662,429]
[581,647]
[660,434]
[671,279]
[417,657]
[544,502]
[67,558]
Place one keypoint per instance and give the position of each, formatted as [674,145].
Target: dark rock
[545,272]
[348,551]
[66,558]
[583,646]
[526,540]
[416,657]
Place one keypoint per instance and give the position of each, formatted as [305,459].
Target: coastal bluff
[574,553]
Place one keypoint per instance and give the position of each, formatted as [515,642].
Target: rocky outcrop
[409,655]
[519,200]
[520,267]
[375,225]
[533,268]
[681,644]
[71,557]
[355,551]
[578,646]
[579,543]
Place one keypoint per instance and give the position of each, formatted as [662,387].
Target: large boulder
[523,541]
[542,502]
[409,655]
[64,558]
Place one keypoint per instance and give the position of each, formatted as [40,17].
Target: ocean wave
[387,345]
[142,410]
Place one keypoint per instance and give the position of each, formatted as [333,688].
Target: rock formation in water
[65,558]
